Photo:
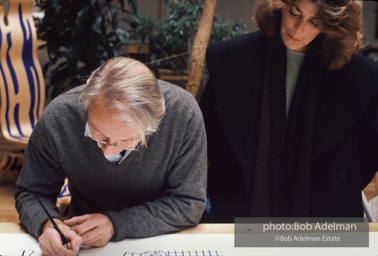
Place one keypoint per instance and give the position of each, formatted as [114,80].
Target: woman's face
[299,25]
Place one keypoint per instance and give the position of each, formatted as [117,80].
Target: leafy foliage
[171,37]
[223,29]
[81,34]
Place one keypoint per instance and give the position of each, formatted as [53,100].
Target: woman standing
[291,113]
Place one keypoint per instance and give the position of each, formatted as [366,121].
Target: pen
[64,239]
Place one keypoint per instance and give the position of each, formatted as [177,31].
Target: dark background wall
[370,19]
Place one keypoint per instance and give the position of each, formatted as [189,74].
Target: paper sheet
[181,245]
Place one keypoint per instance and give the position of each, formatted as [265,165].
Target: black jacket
[345,138]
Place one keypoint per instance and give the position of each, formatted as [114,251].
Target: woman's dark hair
[340,26]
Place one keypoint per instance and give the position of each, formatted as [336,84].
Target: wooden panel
[167,74]
[8,211]
[371,190]
[137,49]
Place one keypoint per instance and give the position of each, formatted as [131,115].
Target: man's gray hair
[130,90]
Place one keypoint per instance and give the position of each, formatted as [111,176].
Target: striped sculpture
[22,85]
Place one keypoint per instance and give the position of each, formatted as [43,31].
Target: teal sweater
[155,190]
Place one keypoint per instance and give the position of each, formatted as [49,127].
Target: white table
[202,240]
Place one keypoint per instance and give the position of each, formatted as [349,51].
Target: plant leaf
[96,26]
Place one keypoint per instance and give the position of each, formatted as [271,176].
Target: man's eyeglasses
[133,145]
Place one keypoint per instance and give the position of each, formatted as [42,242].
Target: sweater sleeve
[184,200]
[41,176]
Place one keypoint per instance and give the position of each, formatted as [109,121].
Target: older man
[134,152]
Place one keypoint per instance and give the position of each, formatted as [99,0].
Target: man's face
[106,127]
[299,25]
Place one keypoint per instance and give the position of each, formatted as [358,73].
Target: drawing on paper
[23,253]
[175,253]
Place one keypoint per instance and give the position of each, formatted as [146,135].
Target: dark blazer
[345,139]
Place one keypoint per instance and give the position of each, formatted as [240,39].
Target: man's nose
[111,142]
[107,149]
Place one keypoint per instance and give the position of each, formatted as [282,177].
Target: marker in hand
[64,239]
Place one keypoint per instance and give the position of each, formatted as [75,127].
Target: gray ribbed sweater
[155,190]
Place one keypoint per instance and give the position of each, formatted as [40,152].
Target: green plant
[80,35]
[223,29]
[171,37]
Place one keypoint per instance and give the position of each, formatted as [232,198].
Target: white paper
[181,245]
[19,245]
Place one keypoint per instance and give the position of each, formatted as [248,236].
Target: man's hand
[95,229]
[50,241]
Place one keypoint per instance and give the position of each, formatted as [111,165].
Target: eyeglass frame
[89,135]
